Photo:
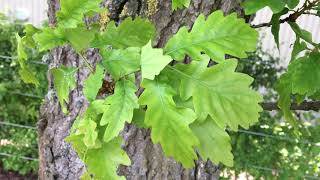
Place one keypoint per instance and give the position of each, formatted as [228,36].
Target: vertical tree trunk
[58,160]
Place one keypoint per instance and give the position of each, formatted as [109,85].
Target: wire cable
[17,125]
[20,157]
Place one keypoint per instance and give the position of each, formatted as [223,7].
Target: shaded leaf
[93,83]
[179,4]
[121,62]
[152,61]
[122,103]
[220,92]
[214,142]
[169,123]
[64,81]
[130,33]
[72,11]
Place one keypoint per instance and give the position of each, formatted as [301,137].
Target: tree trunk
[57,158]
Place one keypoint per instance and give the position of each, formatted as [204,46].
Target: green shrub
[16,106]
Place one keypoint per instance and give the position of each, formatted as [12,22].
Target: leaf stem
[86,62]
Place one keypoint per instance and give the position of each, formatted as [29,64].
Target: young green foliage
[64,81]
[302,78]
[214,142]
[72,11]
[120,62]
[252,6]
[25,73]
[102,163]
[169,123]
[50,38]
[130,33]
[93,83]
[179,4]
[152,61]
[220,92]
[216,36]
[275,20]
[79,37]
[181,128]
[122,103]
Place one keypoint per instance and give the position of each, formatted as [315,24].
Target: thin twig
[86,62]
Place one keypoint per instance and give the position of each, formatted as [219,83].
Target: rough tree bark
[58,160]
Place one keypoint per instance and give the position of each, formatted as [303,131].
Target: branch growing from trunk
[294,16]
[304,106]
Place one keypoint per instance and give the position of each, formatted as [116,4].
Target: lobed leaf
[93,83]
[121,62]
[152,61]
[169,123]
[72,11]
[252,6]
[302,78]
[63,81]
[28,76]
[50,38]
[216,36]
[103,162]
[214,142]
[80,37]
[178,4]
[220,92]
[130,33]
[122,103]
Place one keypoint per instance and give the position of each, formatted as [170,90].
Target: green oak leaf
[284,88]
[87,127]
[63,81]
[169,123]
[301,33]
[152,61]
[214,142]
[103,162]
[94,110]
[122,103]
[121,62]
[304,75]
[93,83]
[21,51]
[178,4]
[72,11]
[275,20]
[298,47]
[130,33]
[50,38]
[29,31]
[220,92]
[216,36]
[302,78]
[80,37]
[28,76]
[252,6]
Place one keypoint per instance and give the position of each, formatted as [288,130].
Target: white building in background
[286,35]
[35,11]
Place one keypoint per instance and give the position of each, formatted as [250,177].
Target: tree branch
[292,17]
[304,106]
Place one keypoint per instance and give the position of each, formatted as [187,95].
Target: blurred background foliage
[20,102]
